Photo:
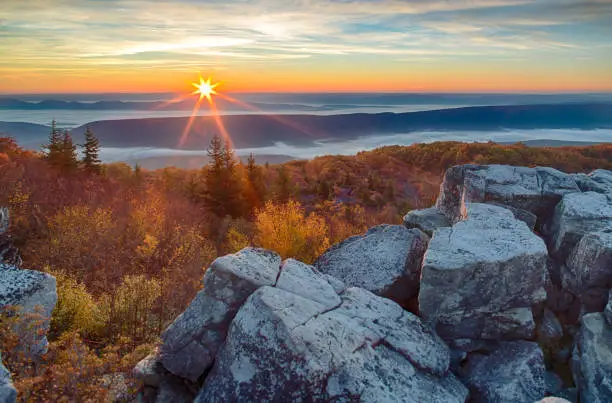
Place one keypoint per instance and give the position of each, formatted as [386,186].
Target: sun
[205,88]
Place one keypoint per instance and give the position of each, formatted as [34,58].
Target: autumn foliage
[129,247]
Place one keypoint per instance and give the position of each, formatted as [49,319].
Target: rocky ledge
[499,293]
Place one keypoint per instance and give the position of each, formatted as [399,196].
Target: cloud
[147,34]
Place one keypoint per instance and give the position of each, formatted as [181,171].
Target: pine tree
[223,191]
[284,189]
[68,156]
[254,192]
[91,150]
[54,147]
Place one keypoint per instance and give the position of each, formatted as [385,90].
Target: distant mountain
[304,130]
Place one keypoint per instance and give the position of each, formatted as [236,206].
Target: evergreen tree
[91,150]
[254,189]
[53,150]
[284,189]
[223,191]
[68,156]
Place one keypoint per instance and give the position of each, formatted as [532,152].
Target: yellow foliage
[129,309]
[76,309]
[235,240]
[287,229]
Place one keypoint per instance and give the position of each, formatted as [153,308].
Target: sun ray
[279,119]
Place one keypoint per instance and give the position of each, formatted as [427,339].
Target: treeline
[129,246]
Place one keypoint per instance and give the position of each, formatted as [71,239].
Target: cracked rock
[287,347]
[514,373]
[481,276]
[535,190]
[386,260]
[190,343]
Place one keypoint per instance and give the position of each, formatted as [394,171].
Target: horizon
[270,46]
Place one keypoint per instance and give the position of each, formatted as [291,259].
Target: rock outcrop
[535,190]
[190,344]
[481,276]
[427,220]
[386,260]
[8,394]
[514,373]
[592,359]
[288,347]
[588,272]
[599,181]
[515,279]
[575,216]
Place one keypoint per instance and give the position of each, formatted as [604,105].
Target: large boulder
[514,373]
[287,346]
[427,220]
[599,181]
[31,295]
[481,276]
[386,260]
[190,343]
[588,272]
[575,216]
[536,190]
[592,359]
[8,394]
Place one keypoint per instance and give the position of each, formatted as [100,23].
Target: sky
[52,46]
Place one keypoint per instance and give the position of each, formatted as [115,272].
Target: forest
[129,246]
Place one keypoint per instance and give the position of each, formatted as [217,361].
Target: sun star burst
[205,88]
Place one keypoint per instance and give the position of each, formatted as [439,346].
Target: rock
[523,215]
[569,394]
[427,220]
[554,384]
[287,347]
[300,279]
[149,371]
[599,181]
[173,390]
[587,273]
[33,293]
[536,190]
[608,309]
[8,394]
[592,359]
[190,344]
[481,276]
[386,260]
[575,216]
[550,329]
[513,373]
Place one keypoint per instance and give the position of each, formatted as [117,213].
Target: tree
[53,150]
[223,190]
[254,190]
[284,189]
[68,156]
[286,229]
[91,150]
